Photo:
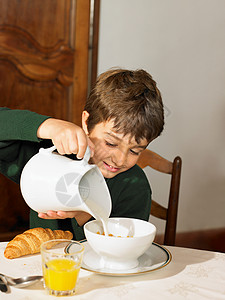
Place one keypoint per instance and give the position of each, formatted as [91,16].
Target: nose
[119,158]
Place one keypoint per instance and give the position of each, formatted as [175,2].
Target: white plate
[156,257]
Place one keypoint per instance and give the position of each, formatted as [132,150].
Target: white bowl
[119,251]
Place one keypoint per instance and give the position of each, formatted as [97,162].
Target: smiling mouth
[111,168]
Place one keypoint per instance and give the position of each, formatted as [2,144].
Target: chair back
[169,213]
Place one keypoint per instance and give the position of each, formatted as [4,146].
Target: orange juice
[61,274]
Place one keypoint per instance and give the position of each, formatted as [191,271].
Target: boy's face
[113,152]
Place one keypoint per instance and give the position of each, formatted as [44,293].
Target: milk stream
[98,213]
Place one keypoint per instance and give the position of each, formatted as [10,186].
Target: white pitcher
[50,181]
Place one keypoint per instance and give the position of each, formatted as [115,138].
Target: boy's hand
[66,136]
[81,216]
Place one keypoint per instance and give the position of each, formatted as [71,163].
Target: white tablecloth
[192,274]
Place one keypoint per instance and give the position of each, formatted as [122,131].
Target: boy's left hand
[81,216]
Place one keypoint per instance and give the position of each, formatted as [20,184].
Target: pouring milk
[50,181]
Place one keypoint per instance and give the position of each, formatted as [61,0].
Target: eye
[134,152]
[110,144]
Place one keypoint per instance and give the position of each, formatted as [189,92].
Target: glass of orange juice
[60,266]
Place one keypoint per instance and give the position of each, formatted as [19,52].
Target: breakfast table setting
[118,259]
[176,273]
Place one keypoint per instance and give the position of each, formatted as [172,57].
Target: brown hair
[131,100]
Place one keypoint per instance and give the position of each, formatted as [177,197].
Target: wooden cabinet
[45,66]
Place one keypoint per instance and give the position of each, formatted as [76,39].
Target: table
[191,274]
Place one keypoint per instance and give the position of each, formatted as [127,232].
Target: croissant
[30,241]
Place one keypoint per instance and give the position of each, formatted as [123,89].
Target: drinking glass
[60,267]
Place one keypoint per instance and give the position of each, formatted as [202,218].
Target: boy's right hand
[66,136]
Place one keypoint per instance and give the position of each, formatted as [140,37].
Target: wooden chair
[169,214]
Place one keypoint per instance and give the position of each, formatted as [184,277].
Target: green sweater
[130,190]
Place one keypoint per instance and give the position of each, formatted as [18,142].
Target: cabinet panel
[44,61]
[47,22]
[20,92]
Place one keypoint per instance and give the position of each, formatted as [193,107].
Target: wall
[182,44]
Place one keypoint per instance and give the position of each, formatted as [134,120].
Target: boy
[122,115]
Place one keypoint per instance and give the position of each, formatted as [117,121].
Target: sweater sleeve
[18,140]
[19,124]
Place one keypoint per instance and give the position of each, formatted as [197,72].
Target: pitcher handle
[85,159]
[47,150]
[87,155]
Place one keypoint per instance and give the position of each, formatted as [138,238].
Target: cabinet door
[44,59]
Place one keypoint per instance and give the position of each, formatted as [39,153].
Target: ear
[85,116]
